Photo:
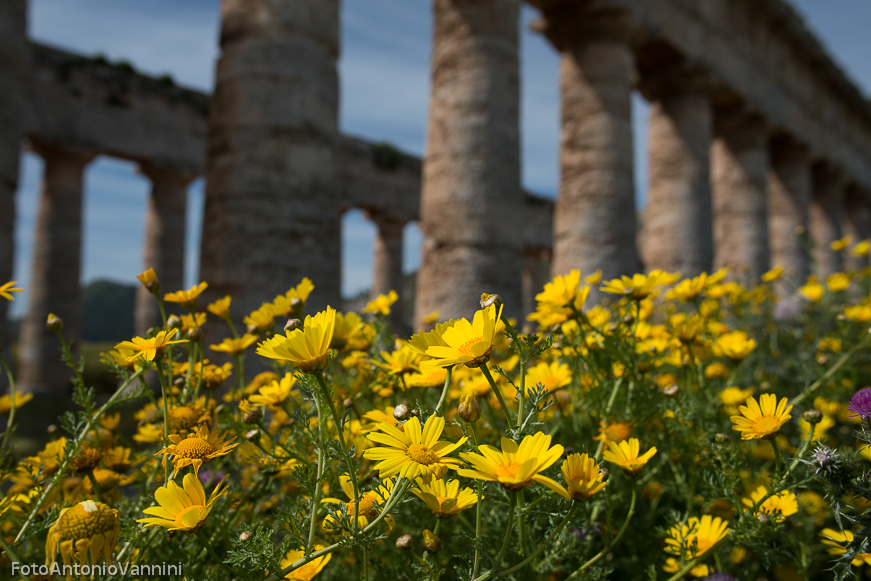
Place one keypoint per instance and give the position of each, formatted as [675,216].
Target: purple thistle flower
[718,577]
[860,405]
[209,477]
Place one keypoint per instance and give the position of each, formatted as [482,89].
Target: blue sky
[384,72]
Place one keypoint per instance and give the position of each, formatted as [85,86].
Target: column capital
[383,219]
[50,151]
[829,177]
[158,172]
[741,127]
[569,24]
[784,148]
[659,80]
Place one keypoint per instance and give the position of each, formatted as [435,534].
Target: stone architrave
[272,213]
[789,193]
[739,168]
[857,223]
[387,267]
[678,229]
[14,74]
[54,282]
[164,246]
[471,200]
[594,221]
[825,218]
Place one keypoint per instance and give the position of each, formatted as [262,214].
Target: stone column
[825,216]
[678,232]
[594,221]
[789,193]
[15,71]
[272,211]
[535,275]
[57,258]
[857,223]
[164,246]
[471,200]
[387,268]
[739,166]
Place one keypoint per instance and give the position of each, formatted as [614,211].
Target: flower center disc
[178,518]
[422,455]
[766,425]
[466,348]
[507,470]
[193,448]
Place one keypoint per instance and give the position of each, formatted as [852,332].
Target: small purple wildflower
[209,477]
[860,405]
[718,577]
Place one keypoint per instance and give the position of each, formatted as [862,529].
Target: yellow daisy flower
[346,330]
[307,348]
[432,378]
[550,375]
[186,298]
[638,287]
[445,499]
[83,534]
[367,509]
[194,321]
[836,540]
[432,317]
[862,248]
[837,281]
[583,477]
[773,274]
[7,288]
[689,288]
[382,304]
[274,394]
[696,536]
[813,290]
[149,349]
[413,453]
[467,343]
[402,361]
[424,340]
[841,244]
[6,402]
[221,307]
[777,506]
[199,447]
[182,508]
[308,571]
[626,455]
[149,280]
[292,303]
[735,345]
[235,346]
[262,319]
[614,432]
[560,299]
[515,466]
[761,419]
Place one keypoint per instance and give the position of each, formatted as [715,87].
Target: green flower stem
[69,456]
[352,474]
[202,538]
[778,460]
[365,564]
[601,447]
[93,478]
[192,357]
[512,505]
[316,500]
[802,450]
[521,522]
[498,393]
[697,561]
[541,546]
[521,392]
[240,372]
[438,409]
[12,556]
[199,348]
[816,385]
[165,394]
[11,422]
[616,539]
[275,440]
[395,496]
[478,508]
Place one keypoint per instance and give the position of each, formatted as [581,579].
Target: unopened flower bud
[431,543]
[628,319]
[178,381]
[567,451]
[401,412]
[469,410]
[292,324]
[252,329]
[195,334]
[173,322]
[763,518]
[252,435]
[721,438]
[812,416]
[51,429]
[488,300]
[244,536]
[54,323]
[404,542]
[253,416]
[671,389]
[416,413]
[348,403]
[605,474]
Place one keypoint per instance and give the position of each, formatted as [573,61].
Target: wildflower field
[681,428]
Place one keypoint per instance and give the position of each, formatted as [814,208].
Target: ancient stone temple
[759,149]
